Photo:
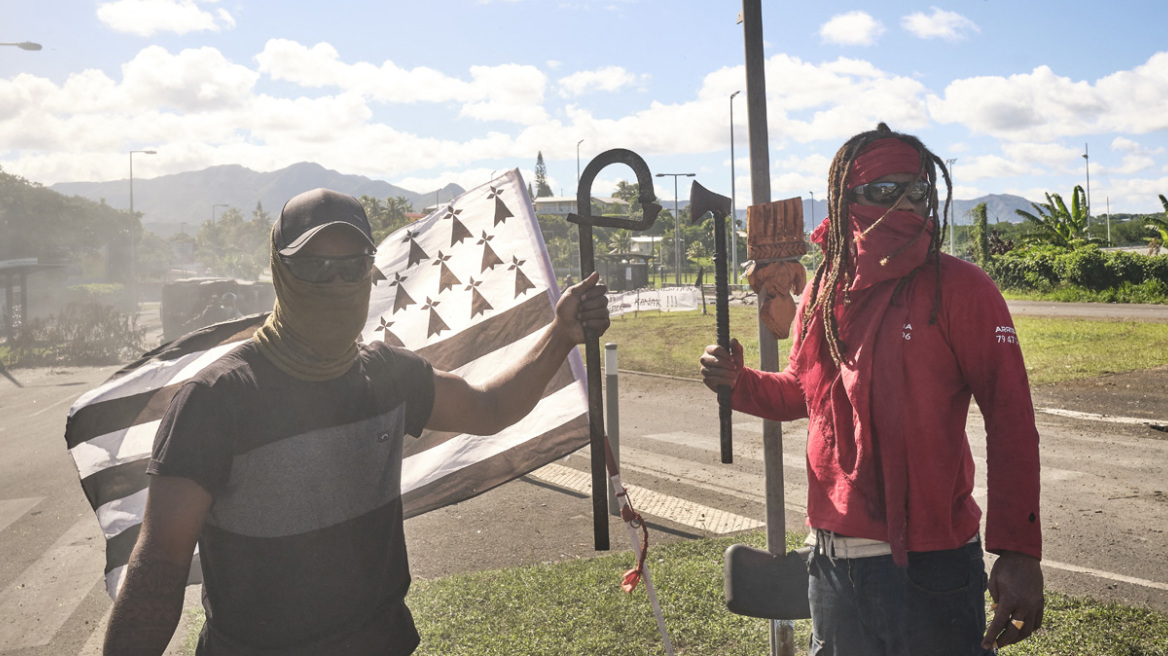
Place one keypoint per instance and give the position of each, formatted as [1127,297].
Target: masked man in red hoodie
[891,340]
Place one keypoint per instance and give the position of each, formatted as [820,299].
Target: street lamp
[24,45]
[578,163]
[676,225]
[213,206]
[814,260]
[133,242]
[953,228]
[1087,163]
[733,205]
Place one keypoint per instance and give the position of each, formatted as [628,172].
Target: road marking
[721,479]
[1074,414]
[96,641]
[1105,575]
[648,502]
[13,509]
[37,604]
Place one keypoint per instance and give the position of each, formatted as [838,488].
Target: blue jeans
[871,607]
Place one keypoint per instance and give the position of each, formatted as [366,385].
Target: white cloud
[855,28]
[1042,106]
[147,17]
[510,92]
[1056,156]
[609,78]
[941,24]
[192,80]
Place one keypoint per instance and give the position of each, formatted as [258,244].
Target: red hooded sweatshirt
[887,454]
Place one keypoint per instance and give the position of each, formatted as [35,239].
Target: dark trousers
[871,607]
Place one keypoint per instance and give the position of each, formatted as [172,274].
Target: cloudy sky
[425,93]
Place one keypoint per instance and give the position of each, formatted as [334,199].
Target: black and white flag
[469,287]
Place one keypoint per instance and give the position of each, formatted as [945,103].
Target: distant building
[565,205]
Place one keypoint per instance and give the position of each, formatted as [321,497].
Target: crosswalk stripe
[648,502]
[13,509]
[37,604]
[722,479]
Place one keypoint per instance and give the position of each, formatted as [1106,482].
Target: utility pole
[1087,163]
[782,632]
[676,225]
[953,227]
[733,204]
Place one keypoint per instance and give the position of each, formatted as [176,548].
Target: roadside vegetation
[1057,253]
[1056,350]
[577,608]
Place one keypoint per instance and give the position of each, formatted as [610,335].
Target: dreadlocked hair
[833,276]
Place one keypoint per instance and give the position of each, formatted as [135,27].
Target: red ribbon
[633,576]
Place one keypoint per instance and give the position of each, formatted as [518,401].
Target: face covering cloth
[313,329]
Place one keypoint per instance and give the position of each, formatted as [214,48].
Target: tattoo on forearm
[147,609]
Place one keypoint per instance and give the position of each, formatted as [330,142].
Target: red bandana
[881,158]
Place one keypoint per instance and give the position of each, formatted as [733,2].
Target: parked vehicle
[192,303]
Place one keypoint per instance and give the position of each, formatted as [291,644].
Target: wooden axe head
[702,200]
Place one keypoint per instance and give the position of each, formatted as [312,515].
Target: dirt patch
[1142,394]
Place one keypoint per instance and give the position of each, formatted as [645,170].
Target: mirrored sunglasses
[887,193]
[311,268]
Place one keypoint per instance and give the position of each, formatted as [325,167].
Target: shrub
[82,334]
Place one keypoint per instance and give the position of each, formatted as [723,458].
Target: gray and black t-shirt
[302,551]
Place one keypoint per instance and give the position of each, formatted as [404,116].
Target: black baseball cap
[312,211]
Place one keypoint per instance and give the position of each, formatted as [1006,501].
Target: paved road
[1105,512]
[1125,311]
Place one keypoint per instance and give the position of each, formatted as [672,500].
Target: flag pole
[633,521]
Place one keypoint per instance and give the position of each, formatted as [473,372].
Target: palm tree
[1057,225]
[1160,224]
[621,242]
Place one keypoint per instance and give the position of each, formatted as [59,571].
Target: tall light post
[1087,163]
[953,228]
[814,259]
[133,241]
[24,45]
[578,163]
[676,226]
[213,206]
[733,205]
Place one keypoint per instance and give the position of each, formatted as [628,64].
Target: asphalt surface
[1105,498]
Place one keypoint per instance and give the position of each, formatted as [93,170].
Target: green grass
[1150,291]
[577,608]
[1056,350]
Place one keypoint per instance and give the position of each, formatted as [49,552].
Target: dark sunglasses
[311,268]
[887,193]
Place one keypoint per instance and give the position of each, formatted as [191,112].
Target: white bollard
[612,410]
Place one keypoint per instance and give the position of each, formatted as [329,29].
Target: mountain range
[999,209]
[176,202]
[185,200]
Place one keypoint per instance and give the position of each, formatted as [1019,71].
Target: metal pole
[733,205]
[131,282]
[676,235]
[578,161]
[952,226]
[782,631]
[676,226]
[612,398]
[1108,219]
[1087,163]
[814,258]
